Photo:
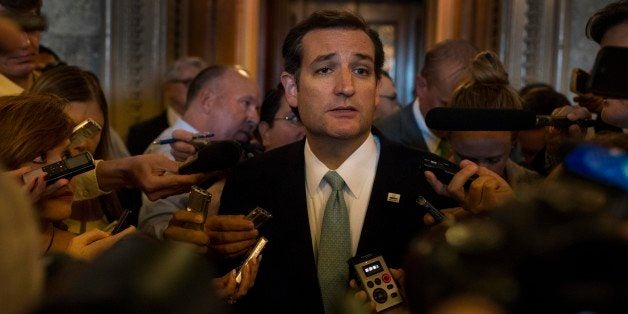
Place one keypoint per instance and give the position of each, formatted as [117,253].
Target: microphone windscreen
[220,155]
[480,119]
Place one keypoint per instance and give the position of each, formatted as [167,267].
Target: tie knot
[335,180]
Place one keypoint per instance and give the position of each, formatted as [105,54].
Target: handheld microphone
[482,119]
[220,155]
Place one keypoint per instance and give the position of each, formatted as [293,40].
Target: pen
[172,140]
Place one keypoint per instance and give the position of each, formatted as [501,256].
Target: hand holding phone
[444,170]
[376,279]
[253,253]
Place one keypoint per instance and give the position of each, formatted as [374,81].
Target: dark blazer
[401,127]
[142,134]
[287,278]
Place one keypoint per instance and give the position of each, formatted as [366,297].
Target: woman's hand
[91,244]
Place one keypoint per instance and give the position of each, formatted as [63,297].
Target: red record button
[386,278]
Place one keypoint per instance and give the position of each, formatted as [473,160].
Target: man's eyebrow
[324,57]
[361,56]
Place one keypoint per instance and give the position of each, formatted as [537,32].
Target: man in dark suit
[333,65]
[443,69]
[178,78]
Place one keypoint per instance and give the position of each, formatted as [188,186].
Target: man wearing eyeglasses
[178,77]
[279,125]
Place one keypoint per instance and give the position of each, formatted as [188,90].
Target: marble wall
[123,42]
[543,40]
[76,31]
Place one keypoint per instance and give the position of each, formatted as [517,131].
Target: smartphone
[124,222]
[609,77]
[199,201]
[253,253]
[66,168]
[375,278]
[83,131]
[444,169]
[258,216]
[579,81]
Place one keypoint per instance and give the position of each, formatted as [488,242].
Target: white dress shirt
[358,172]
[154,216]
[431,140]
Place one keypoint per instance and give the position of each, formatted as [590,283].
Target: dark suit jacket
[401,127]
[287,278]
[142,134]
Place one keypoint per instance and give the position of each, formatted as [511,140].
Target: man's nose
[252,115]
[344,82]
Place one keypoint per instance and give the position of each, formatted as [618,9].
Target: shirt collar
[431,140]
[350,170]
[172,115]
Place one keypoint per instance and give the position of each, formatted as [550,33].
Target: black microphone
[219,155]
[482,119]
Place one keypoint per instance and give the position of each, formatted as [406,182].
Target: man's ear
[420,85]
[207,100]
[290,86]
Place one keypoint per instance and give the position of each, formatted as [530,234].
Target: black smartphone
[66,168]
[444,170]
[579,81]
[609,77]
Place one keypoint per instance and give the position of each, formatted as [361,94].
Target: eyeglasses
[292,119]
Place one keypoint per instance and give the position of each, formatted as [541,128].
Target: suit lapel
[296,240]
[383,184]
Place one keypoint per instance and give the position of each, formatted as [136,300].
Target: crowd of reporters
[535,219]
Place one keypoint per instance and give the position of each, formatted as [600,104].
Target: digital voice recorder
[376,280]
[66,168]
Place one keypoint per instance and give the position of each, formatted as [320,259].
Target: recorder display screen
[372,269]
[76,161]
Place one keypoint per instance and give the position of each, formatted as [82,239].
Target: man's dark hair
[292,49]
[207,76]
[607,17]
[21,6]
[271,104]
[542,99]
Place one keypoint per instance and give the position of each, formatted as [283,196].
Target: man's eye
[493,161]
[362,71]
[41,159]
[324,70]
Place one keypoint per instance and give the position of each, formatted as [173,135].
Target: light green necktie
[334,248]
[444,149]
